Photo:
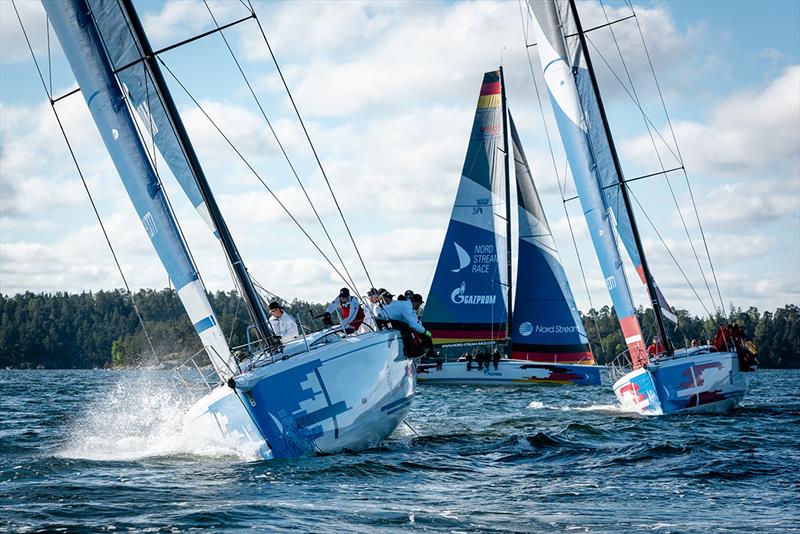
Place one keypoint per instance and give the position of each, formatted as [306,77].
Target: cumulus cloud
[752,133]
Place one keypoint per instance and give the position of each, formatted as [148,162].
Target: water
[91,451]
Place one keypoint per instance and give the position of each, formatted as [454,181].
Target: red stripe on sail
[633,338]
[491,88]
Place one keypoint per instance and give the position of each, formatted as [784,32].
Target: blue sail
[587,171]
[126,59]
[84,48]
[606,172]
[466,304]
[547,326]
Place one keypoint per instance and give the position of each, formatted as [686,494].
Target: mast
[651,288]
[253,302]
[504,104]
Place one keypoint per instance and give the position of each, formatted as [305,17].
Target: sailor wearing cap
[416,304]
[400,310]
[282,324]
[351,314]
[371,310]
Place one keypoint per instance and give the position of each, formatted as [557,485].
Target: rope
[255,173]
[280,145]
[314,150]
[85,185]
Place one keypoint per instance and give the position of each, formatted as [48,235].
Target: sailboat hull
[512,372]
[693,381]
[346,395]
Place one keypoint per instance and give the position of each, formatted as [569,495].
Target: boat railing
[188,372]
[620,365]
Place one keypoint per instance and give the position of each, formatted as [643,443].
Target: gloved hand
[428,333]
[326,320]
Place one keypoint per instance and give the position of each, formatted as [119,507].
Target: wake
[142,416]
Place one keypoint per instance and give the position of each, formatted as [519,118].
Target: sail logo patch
[458,296]
[480,203]
[463,257]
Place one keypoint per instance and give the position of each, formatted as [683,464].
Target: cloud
[13,47]
[751,133]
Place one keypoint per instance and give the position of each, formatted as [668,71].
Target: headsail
[577,132]
[547,327]
[84,49]
[466,303]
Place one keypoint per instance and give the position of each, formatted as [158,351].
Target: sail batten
[85,50]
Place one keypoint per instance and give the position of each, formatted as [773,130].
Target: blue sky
[388,90]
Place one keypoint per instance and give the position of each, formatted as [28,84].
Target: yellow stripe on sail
[489,101]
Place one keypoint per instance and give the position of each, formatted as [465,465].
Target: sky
[387,91]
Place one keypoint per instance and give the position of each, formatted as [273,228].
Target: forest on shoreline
[101,329]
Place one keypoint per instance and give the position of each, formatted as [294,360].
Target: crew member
[416,304]
[401,311]
[371,309]
[655,347]
[351,314]
[282,324]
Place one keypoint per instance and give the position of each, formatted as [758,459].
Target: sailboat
[678,381]
[325,392]
[469,302]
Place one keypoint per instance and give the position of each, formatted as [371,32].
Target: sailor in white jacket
[400,310]
[351,314]
[282,324]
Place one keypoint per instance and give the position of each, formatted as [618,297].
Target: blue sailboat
[685,380]
[469,303]
[326,392]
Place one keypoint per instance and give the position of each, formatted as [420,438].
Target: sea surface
[106,451]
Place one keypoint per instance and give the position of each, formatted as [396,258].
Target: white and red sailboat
[678,380]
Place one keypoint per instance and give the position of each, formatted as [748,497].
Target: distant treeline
[88,330]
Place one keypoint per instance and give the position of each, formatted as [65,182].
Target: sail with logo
[466,305]
[547,326]
[548,343]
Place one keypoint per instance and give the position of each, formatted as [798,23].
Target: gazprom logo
[459,296]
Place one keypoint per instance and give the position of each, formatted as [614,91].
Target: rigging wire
[635,97]
[308,137]
[680,156]
[653,226]
[558,180]
[249,166]
[283,150]
[85,185]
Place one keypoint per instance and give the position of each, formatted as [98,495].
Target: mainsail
[547,327]
[466,303]
[608,174]
[85,50]
[590,165]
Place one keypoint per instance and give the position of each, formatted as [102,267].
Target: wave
[142,416]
